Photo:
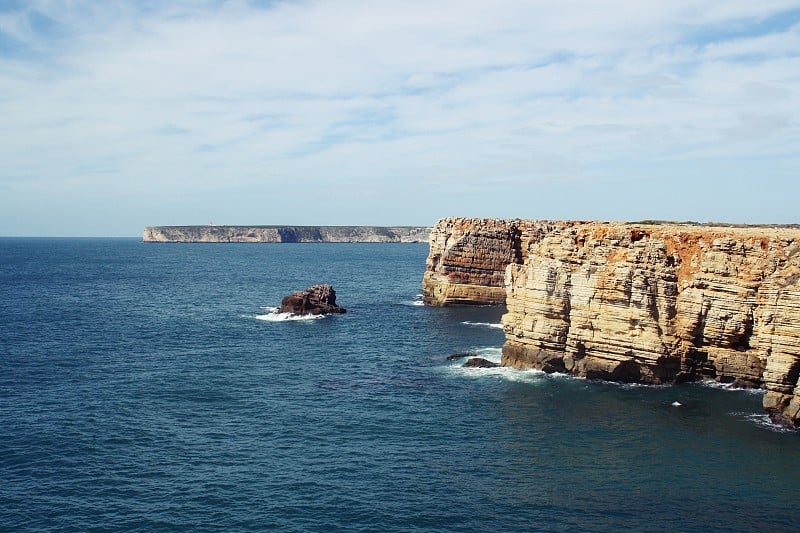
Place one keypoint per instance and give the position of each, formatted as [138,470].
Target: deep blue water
[141,387]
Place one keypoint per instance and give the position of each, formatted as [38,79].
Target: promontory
[634,302]
[215,233]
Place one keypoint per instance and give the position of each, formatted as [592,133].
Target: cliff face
[641,303]
[468,258]
[285,234]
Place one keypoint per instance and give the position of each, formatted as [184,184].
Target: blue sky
[117,115]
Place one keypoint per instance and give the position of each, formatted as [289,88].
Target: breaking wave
[711,384]
[762,420]
[455,368]
[416,302]
[497,325]
[274,315]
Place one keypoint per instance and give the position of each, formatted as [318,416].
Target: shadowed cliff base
[644,302]
[285,234]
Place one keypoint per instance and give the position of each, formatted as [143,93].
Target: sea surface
[155,387]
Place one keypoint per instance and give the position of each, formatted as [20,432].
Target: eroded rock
[479,362]
[315,300]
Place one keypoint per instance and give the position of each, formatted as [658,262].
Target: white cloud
[235,106]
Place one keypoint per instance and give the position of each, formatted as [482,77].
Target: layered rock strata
[468,258]
[213,233]
[648,303]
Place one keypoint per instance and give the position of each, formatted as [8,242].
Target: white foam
[763,420]
[637,385]
[490,353]
[484,324]
[565,375]
[274,316]
[493,354]
[711,384]
[676,404]
[416,302]
[500,373]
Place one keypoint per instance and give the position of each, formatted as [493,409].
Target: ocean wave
[762,420]
[501,373]
[415,302]
[490,353]
[273,314]
[484,324]
[636,385]
[493,354]
[711,384]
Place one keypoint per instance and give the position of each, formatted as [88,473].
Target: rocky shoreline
[634,302]
[287,234]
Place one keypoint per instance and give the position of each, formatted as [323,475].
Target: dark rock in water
[782,420]
[480,362]
[741,383]
[455,356]
[315,300]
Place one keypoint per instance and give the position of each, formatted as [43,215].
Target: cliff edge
[647,303]
[212,233]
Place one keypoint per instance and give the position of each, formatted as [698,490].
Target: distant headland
[213,233]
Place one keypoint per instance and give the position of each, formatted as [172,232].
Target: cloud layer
[119,115]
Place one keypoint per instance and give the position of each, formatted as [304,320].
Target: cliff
[285,234]
[649,303]
[468,258]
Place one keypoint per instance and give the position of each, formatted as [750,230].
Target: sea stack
[634,302]
[315,300]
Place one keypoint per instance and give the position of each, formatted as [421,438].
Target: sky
[125,114]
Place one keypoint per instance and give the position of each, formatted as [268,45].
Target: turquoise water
[152,387]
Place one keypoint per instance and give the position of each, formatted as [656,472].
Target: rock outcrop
[315,300]
[455,356]
[479,362]
[648,303]
[213,233]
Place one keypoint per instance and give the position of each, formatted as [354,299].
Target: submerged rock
[455,356]
[315,300]
[479,362]
[780,419]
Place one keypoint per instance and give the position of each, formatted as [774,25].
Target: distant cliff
[285,234]
[650,303]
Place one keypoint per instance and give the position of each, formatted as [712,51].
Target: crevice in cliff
[515,237]
[627,372]
[287,235]
[742,344]
[580,350]
[793,374]
[652,307]
[695,365]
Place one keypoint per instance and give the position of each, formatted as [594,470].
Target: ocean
[155,387]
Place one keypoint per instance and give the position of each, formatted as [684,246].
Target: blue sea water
[152,387]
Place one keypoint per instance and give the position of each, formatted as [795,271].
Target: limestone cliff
[468,258]
[649,303]
[285,234]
